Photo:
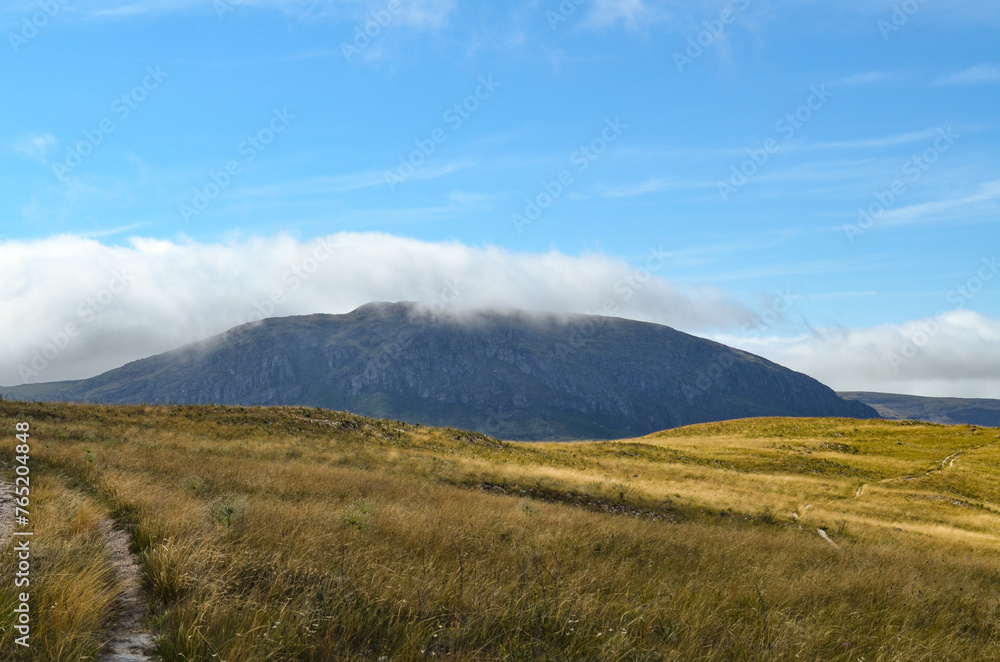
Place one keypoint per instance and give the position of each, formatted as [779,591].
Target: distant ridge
[950,411]
[511,374]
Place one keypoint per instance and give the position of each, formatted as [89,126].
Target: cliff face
[513,375]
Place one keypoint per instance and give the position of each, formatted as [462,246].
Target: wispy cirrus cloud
[874,142]
[35,145]
[418,14]
[326,184]
[864,78]
[988,192]
[605,14]
[981,74]
[870,143]
[108,232]
[841,295]
[651,185]
[470,198]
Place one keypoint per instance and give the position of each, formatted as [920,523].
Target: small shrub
[228,510]
[358,514]
[195,484]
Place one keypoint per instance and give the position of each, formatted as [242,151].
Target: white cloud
[426,14]
[988,192]
[107,232]
[842,295]
[471,199]
[329,184]
[183,291]
[980,74]
[35,145]
[882,141]
[652,185]
[954,12]
[865,78]
[418,14]
[954,354]
[607,13]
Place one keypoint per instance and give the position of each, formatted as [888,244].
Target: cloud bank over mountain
[77,307]
[953,354]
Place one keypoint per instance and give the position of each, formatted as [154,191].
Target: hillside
[511,375]
[267,534]
[949,411]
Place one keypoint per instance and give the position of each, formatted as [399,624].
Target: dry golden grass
[72,584]
[298,534]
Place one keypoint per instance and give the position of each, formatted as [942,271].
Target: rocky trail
[6,511]
[129,640]
[824,536]
[945,463]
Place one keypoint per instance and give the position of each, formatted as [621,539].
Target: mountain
[510,374]
[950,411]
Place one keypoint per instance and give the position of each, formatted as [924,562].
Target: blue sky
[625,121]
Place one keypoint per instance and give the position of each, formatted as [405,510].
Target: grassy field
[300,534]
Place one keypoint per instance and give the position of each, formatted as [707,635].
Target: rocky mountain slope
[510,374]
[950,411]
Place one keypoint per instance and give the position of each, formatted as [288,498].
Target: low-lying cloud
[956,353]
[75,307]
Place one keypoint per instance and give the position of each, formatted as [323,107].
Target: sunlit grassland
[301,534]
[784,465]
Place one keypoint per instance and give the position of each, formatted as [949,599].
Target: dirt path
[824,536]
[949,461]
[130,641]
[946,462]
[6,511]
